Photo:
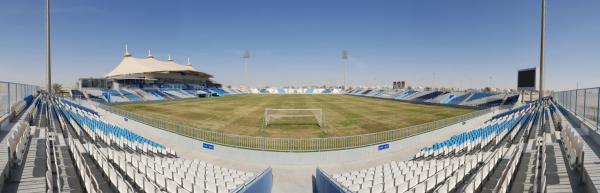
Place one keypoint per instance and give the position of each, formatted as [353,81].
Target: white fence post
[8,96]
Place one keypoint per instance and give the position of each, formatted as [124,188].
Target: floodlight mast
[48,61]
[246,58]
[345,63]
[543,29]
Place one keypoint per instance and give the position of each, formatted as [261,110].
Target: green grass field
[343,114]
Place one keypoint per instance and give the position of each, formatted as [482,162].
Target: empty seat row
[81,107]
[176,173]
[130,170]
[90,179]
[97,128]
[510,171]
[426,173]
[21,132]
[495,130]
[481,175]
[573,146]
[405,176]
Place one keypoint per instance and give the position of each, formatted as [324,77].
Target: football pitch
[343,115]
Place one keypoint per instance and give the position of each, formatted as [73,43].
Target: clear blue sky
[427,42]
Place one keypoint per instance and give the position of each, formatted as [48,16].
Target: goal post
[315,115]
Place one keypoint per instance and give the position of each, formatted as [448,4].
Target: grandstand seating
[365,92]
[151,168]
[428,96]
[191,92]
[511,99]
[494,130]
[77,94]
[17,142]
[145,95]
[218,91]
[390,93]
[176,174]
[113,96]
[374,93]
[151,92]
[285,91]
[460,164]
[406,94]
[491,103]
[93,97]
[459,99]
[479,95]
[158,94]
[448,98]
[178,93]
[185,94]
[94,94]
[109,133]
[130,96]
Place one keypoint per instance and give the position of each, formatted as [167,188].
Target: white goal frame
[271,114]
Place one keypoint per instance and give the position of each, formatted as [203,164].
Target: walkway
[30,176]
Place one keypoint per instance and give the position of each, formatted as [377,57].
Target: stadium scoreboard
[399,85]
[526,79]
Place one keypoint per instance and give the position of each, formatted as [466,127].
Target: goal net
[293,116]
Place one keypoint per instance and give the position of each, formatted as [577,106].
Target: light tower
[543,29]
[345,63]
[48,47]
[246,58]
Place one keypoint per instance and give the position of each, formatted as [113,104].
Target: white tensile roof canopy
[130,65]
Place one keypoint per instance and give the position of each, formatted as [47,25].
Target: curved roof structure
[130,65]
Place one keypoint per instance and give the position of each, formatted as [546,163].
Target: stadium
[153,124]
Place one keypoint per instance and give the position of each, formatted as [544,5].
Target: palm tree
[56,88]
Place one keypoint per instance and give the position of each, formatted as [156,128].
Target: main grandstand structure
[146,79]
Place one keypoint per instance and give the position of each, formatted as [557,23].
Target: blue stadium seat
[406,94]
[480,95]
[131,96]
[459,99]
[102,126]
[501,124]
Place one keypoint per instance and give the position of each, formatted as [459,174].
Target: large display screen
[527,78]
